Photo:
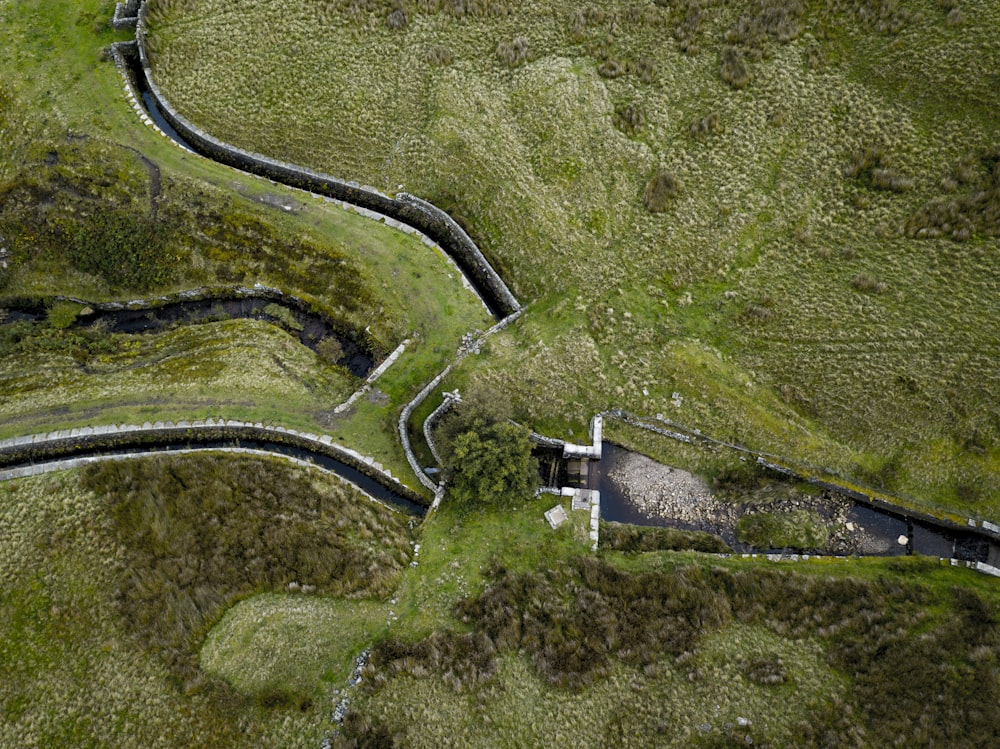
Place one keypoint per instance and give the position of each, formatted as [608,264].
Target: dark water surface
[314,328]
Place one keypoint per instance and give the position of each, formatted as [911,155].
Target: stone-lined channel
[166,441]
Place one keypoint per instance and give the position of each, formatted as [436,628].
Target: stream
[309,327]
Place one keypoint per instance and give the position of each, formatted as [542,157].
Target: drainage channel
[884,532]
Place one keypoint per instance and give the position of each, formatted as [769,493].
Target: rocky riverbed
[673,497]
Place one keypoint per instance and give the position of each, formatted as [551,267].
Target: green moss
[799,529]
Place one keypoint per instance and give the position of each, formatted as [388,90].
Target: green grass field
[784,285]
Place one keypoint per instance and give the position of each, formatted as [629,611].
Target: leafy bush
[490,466]
[63,314]
[330,349]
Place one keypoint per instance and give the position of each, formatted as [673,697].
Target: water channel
[175,443]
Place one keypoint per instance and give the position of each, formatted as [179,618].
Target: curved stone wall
[423,216]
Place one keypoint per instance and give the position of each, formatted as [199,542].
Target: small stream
[309,327]
[880,529]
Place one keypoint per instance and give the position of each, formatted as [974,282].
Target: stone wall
[428,219]
[404,417]
[126,15]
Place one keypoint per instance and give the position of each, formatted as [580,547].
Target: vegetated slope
[784,211]
[112,576]
[243,366]
[585,654]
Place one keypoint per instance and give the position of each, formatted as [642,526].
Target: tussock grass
[246,365]
[636,538]
[200,532]
[810,655]
[766,211]
[75,672]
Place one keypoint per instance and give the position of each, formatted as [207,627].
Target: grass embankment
[82,181]
[112,577]
[57,377]
[782,211]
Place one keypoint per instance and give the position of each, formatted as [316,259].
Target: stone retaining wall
[126,15]
[430,220]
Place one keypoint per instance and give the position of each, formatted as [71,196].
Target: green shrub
[330,349]
[127,249]
[63,314]
[283,315]
[490,466]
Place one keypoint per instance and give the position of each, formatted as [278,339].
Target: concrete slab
[556,516]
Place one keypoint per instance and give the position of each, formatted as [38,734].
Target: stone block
[556,516]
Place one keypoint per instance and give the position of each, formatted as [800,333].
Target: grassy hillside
[113,575]
[784,211]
